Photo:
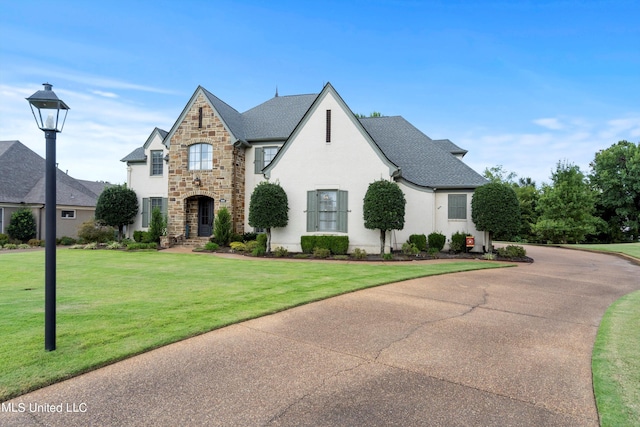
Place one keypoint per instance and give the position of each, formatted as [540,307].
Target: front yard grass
[112,304]
[631,249]
[616,363]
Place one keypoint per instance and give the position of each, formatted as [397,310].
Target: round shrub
[22,225]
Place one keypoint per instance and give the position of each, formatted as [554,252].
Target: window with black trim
[68,214]
[457,206]
[327,210]
[156,162]
[200,157]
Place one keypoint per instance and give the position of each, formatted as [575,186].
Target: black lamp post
[46,108]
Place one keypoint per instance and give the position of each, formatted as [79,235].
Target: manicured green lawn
[616,363]
[631,249]
[112,304]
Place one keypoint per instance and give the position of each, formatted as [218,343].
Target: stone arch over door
[198,214]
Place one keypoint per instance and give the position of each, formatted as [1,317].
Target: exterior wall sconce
[197,181]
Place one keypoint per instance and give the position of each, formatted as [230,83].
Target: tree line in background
[601,207]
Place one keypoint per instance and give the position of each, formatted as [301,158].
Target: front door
[205,217]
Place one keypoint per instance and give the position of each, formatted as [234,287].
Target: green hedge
[338,245]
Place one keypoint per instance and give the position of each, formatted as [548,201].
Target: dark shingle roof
[449,146]
[136,155]
[276,118]
[421,161]
[22,179]
[228,114]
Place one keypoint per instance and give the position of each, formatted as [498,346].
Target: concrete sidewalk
[498,347]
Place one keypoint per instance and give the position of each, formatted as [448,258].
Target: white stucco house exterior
[319,151]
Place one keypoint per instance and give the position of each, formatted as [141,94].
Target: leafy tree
[566,207]
[222,227]
[528,196]
[384,207]
[157,226]
[22,225]
[268,208]
[499,175]
[117,206]
[616,178]
[495,208]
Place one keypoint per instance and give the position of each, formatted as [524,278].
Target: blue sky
[522,84]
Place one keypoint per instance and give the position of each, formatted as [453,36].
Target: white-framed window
[149,204]
[457,206]
[200,157]
[68,214]
[327,210]
[156,162]
[264,156]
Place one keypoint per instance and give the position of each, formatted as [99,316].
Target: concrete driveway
[502,347]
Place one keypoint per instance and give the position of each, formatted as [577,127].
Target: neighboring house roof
[421,161]
[22,179]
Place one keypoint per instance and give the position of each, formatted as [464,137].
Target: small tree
[384,206]
[157,226]
[222,227]
[268,208]
[22,225]
[117,206]
[495,208]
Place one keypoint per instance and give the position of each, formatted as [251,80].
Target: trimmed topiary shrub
[420,240]
[436,241]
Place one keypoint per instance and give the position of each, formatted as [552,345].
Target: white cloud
[550,123]
[105,94]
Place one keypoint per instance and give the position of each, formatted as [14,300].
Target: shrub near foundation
[337,245]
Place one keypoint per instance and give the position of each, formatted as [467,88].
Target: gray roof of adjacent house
[22,179]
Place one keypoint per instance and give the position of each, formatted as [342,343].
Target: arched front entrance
[199,216]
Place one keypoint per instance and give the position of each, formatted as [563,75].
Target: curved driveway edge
[494,347]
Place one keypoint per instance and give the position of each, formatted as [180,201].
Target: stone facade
[224,183]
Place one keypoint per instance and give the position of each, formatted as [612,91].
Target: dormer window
[200,157]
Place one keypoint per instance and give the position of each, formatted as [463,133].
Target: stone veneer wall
[224,181]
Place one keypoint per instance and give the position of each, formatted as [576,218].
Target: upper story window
[156,162]
[264,156]
[457,206]
[200,157]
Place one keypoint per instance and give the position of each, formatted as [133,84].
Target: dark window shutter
[145,212]
[312,210]
[343,209]
[259,162]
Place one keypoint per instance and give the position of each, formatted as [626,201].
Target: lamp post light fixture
[47,109]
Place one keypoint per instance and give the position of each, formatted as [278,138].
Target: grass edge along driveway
[112,305]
